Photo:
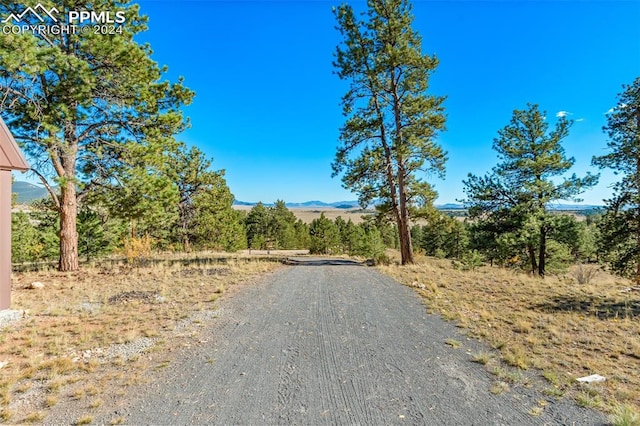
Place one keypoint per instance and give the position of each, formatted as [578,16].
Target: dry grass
[564,329]
[84,420]
[625,416]
[70,325]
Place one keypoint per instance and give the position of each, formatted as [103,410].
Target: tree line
[215,225]
[99,125]
[205,220]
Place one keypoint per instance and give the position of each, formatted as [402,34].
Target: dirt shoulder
[80,341]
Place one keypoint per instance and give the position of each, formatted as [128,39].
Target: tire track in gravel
[344,390]
[321,343]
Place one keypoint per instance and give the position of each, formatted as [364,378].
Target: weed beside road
[564,329]
[84,334]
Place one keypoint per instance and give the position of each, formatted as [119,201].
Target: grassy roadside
[83,333]
[564,329]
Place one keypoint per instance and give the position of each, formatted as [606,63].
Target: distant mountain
[573,207]
[314,203]
[449,206]
[307,204]
[28,192]
[243,203]
[554,207]
[446,206]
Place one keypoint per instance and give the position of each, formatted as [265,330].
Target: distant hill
[449,206]
[555,207]
[573,207]
[315,204]
[28,192]
[242,203]
[306,204]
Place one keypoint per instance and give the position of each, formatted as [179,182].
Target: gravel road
[328,342]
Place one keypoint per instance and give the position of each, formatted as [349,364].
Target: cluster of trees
[367,239]
[276,227]
[205,220]
[510,223]
[569,241]
[94,116]
[442,236]
[179,206]
[510,204]
[387,144]
[512,201]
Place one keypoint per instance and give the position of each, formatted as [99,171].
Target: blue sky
[267,101]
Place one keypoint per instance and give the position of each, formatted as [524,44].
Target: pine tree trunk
[68,231]
[406,248]
[542,251]
[638,192]
[404,233]
[395,205]
[532,256]
[184,225]
[65,165]
[637,277]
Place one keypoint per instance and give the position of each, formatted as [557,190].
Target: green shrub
[471,260]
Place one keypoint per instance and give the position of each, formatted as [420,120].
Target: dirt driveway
[329,342]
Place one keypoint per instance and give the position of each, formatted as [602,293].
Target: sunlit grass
[563,329]
[71,323]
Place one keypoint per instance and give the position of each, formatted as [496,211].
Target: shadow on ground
[321,262]
[599,306]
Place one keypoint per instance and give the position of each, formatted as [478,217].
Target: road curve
[327,342]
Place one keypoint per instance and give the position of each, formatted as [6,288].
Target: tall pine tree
[620,226]
[521,186]
[388,138]
[76,101]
